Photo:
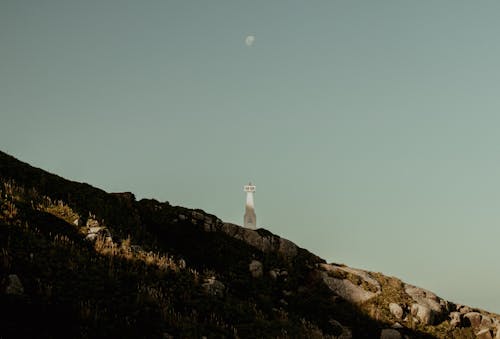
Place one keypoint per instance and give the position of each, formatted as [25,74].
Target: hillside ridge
[114,266]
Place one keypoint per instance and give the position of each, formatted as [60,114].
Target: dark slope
[153,270]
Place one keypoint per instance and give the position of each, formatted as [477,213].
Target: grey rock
[14,287]
[256,268]
[455,319]
[390,333]
[396,310]
[397,325]
[347,290]
[423,313]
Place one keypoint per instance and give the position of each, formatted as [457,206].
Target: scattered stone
[274,273]
[484,334]
[396,310]
[390,333]
[422,313]
[397,325]
[474,319]
[14,286]
[256,268]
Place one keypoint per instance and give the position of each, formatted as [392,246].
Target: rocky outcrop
[266,243]
[351,284]
[347,290]
[429,307]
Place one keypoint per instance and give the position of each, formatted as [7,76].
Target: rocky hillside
[76,261]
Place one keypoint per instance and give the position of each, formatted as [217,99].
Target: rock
[397,325]
[256,269]
[423,313]
[363,275]
[390,333]
[396,310]
[265,243]
[455,319]
[94,229]
[484,334]
[474,319]
[497,336]
[464,309]
[213,287]
[347,290]
[274,273]
[439,307]
[14,286]
[486,322]
[91,222]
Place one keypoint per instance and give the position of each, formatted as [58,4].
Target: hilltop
[79,262]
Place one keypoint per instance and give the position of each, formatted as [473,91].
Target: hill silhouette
[78,262]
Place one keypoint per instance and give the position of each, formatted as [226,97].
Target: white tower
[250,220]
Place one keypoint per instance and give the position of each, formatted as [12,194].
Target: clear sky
[371,128]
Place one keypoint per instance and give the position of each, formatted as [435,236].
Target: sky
[370,128]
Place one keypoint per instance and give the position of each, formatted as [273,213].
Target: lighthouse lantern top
[249,187]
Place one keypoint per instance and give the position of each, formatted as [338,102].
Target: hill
[77,262]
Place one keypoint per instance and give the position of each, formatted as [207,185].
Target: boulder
[423,313]
[464,309]
[390,333]
[497,336]
[347,290]
[396,310]
[256,268]
[14,286]
[455,319]
[429,301]
[473,318]
[484,334]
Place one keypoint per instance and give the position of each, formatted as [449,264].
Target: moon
[249,40]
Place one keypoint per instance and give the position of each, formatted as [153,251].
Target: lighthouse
[250,220]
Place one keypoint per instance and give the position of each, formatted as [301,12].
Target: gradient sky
[371,128]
